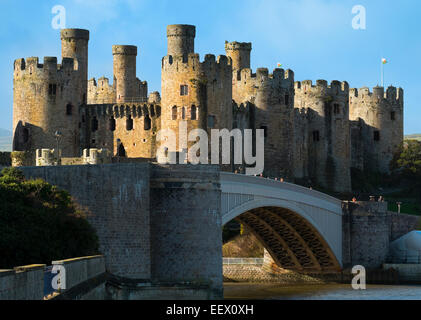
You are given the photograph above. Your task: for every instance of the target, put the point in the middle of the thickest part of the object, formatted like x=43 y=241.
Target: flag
x=384 y=61
x=279 y=65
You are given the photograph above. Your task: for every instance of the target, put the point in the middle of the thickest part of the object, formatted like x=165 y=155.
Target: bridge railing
x=241 y=178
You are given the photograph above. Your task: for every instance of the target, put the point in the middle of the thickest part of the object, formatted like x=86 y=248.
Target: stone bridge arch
x=300 y=228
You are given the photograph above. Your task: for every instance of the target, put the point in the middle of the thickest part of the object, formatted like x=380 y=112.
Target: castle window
x=83 y=118
x=121 y=152
x=147 y=123
x=211 y=122
x=52 y=89
x=193 y=115
x=129 y=123
x=287 y=99
x=336 y=109
x=111 y=124
x=393 y=115
x=316 y=136
x=69 y=109
x=265 y=131
x=184 y=90
x=174 y=113
x=94 y=124
x=183 y=113
x=376 y=135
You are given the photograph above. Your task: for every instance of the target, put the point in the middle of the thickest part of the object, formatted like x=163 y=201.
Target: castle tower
x=193 y=91
x=239 y=52
x=74 y=44
x=46 y=99
x=124 y=66
x=180 y=39
x=328 y=139
x=377 y=126
x=270 y=101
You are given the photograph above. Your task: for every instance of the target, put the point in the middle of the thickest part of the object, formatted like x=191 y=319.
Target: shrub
x=40 y=223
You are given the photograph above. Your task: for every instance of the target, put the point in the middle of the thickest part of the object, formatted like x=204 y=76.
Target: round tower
x=329 y=147
x=377 y=125
x=74 y=44
x=193 y=92
x=180 y=39
x=124 y=67
x=46 y=100
x=239 y=52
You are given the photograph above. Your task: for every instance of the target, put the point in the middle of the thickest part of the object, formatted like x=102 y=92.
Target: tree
x=40 y=223
x=407 y=160
x=406 y=166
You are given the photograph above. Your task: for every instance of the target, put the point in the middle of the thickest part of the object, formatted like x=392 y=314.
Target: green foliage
x=407 y=160
x=39 y=223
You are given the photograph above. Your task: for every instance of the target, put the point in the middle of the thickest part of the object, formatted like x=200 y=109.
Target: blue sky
x=314 y=38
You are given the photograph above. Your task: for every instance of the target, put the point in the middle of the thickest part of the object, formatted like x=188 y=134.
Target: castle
x=313 y=132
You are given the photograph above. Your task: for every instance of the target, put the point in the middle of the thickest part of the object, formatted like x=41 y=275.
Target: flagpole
x=382 y=72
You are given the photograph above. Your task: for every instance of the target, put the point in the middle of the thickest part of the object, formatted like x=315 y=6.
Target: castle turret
x=180 y=39
x=239 y=52
x=74 y=44
x=124 y=67
x=194 y=91
x=326 y=111
x=377 y=126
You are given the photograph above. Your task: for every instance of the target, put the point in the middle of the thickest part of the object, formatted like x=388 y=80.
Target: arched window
x=129 y=123
x=111 y=124
x=193 y=114
x=147 y=123
x=183 y=113
x=94 y=124
x=174 y=113
x=69 y=109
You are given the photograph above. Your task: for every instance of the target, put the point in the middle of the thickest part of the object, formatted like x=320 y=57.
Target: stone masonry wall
x=117 y=200
x=186 y=237
x=368 y=229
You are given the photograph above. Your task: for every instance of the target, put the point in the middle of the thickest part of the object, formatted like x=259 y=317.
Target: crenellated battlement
x=392 y=94
x=191 y=62
x=31 y=66
x=262 y=77
x=136 y=110
x=336 y=88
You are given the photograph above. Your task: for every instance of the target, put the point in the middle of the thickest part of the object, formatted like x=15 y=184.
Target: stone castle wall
x=377 y=126
x=122 y=226
x=327 y=123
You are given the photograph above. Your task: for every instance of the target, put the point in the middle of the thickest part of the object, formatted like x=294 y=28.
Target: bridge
x=300 y=228
x=163 y=223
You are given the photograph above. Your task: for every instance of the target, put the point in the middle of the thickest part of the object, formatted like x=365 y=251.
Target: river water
x=320 y=292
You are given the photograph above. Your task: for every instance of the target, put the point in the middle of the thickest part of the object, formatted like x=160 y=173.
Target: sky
x=314 y=38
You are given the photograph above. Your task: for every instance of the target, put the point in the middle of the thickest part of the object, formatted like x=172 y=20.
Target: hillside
x=5 y=140
x=413 y=137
